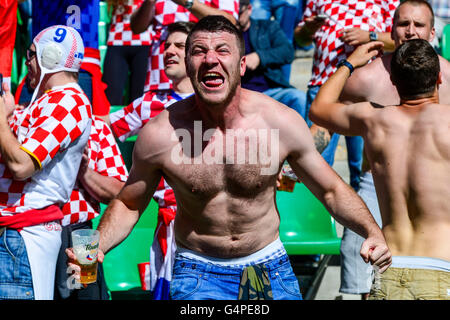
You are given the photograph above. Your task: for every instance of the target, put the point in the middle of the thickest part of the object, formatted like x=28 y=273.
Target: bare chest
x=243 y=164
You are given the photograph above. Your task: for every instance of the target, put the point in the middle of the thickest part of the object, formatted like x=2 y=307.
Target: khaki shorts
x=411 y=284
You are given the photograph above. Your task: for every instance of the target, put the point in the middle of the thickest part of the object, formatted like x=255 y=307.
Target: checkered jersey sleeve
x=109 y=161
x=389 y=10
x=120 y=33
x=129 y=120
x=310 y=11
x=55 y=123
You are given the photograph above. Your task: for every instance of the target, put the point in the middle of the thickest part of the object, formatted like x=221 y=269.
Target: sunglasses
x=30 y=54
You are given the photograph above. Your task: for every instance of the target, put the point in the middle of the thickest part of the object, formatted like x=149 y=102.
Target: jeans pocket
x=184 y=285
x=288 y=283
x=15 y=275
x=13 y=243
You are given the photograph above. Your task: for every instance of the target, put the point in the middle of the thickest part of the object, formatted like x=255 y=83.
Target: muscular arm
x=141 y=18
x=124 y=211
x=101 y=187
x=327 y=111
x=201 y=10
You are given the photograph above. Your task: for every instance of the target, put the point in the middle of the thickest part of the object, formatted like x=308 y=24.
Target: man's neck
x=222 y=117
x=182 y=86
x=420 y=102
x=56 y=80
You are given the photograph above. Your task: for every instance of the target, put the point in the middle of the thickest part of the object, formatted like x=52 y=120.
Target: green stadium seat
x=105 y=16
x=102 y=33
x=445 y=42
x=306 y=226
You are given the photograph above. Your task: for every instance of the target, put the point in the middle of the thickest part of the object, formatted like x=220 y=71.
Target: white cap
x=58 y=48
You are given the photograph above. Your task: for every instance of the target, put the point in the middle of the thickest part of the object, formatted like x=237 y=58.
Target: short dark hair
x=180 y=26
x=415 y=3
x=217 y=24
x=415 y=69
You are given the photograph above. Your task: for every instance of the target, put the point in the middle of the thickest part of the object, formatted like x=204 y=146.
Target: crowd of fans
x=144 y=71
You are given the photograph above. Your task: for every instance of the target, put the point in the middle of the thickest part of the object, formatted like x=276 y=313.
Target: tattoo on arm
x=321 y=139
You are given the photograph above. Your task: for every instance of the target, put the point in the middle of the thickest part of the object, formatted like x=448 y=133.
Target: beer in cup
x=85 y=247
x=288 y=178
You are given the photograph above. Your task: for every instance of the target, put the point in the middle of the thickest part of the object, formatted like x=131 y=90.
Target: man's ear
x=243 y=66
x=439 y=79
x=432 y=34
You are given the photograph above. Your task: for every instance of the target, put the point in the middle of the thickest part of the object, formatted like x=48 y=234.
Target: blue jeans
x=196 y=280
x=291 y=97
x=15 y=272
x=355 y=145
x=285 y=13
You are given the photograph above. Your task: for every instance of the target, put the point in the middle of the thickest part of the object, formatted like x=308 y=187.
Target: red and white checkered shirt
x=167 y=12
x=105 y=158
x=54 y=131
x=129 y=120
x=369 y=15
x=120 y=33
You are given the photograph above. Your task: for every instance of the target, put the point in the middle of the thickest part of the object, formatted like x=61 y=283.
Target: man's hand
x=73 y=264
x=376 y=251
x=8 y=102
x=180 y=2
x=252 y=61
x=355 y=36
x=365 y=53
x=313 y=24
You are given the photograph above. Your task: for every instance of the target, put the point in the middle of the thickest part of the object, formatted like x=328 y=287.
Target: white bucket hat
x=58 y=48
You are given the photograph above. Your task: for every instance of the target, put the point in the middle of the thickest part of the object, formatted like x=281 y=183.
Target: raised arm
x=201 y=10
x=142 y=17
x=338 y=197
x=328 y=112
x=124 y=211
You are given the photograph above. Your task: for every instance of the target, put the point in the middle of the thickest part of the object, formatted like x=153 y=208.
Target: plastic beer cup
x=288 y=178
x=85 y=247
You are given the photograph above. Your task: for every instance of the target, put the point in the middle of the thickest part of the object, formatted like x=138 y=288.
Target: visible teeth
x=212 y=74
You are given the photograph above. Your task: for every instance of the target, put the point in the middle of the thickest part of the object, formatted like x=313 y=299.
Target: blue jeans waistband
x=197 y=266
x=272 y=250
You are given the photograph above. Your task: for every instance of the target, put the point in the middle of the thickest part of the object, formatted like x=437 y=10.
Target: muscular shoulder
x=154 y=139
x=365 y=82
x=272 y=111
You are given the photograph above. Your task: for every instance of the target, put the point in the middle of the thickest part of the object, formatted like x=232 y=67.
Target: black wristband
x=344 y=62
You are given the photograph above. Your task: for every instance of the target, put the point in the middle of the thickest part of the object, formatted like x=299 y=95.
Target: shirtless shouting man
x=221 y=152
x=407 y=146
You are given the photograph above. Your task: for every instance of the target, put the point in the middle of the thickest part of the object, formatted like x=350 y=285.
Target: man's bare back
x=409 y=151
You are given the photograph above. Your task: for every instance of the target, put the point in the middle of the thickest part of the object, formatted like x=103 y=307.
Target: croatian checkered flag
x=162 y=255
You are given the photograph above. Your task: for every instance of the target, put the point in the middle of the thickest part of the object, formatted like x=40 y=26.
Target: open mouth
x=213 y=80
x=169 y=62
